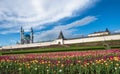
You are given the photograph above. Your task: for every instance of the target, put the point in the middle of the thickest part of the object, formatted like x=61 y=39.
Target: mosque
x=26 y=38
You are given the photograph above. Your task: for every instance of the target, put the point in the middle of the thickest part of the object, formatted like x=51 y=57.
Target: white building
x=101 y=33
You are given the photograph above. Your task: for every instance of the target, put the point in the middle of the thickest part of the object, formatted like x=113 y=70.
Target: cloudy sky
x=48 y=17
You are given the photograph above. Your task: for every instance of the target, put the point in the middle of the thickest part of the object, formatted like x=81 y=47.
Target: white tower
x=60 y=39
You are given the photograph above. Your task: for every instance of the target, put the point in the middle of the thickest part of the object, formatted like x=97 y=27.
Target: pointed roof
x=22 y=30
x=61 y=35
x=107 y=30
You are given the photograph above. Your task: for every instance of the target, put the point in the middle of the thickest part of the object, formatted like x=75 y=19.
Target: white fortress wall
x=29 y=45
x=93 y=39
x=82 y=40
x=61 y=41
x=47 y=43
x=112 y=37
x=20 y=46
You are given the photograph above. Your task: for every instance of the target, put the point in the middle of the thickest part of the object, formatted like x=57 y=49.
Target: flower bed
x=85 y=62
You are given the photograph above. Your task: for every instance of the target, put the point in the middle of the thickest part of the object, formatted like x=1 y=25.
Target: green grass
x=41 y=50
x=56 y=49
x=0 y=53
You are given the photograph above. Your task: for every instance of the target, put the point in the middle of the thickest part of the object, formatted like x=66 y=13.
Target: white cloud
x=67 y=29
x=36 y=13
x=117 y=31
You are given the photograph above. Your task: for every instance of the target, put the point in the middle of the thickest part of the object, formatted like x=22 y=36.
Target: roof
x=27 y=36
x=61 y=35
x=102 y=31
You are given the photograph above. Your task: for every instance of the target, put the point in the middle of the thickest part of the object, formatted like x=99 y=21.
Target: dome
x=27 y=36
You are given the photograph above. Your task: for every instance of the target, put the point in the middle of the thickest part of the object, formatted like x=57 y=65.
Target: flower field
x=77 y=62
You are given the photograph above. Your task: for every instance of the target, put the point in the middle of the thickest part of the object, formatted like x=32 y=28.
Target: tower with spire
x=107 y=30
x=61 y=35
x=60 y=39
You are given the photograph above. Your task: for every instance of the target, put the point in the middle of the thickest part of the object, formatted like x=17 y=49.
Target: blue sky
x=73 y=17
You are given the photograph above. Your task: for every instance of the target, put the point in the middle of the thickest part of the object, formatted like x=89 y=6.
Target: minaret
x=31 y=35
x=21 y=36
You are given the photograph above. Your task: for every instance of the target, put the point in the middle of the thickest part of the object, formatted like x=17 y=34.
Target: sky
x=75 y=18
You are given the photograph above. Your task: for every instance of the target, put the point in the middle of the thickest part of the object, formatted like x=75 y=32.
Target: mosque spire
x=21 y=35
x=31 y=35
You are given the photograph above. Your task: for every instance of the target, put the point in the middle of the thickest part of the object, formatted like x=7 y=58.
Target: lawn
x=56 y=49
